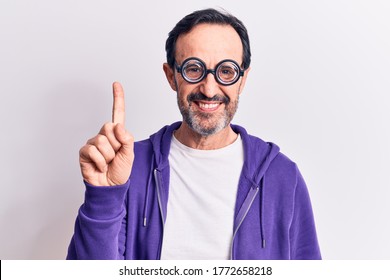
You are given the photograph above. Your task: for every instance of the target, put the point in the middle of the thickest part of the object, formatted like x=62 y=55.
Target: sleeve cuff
x=104 y=202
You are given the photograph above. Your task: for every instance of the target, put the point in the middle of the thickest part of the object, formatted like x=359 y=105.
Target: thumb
x=125 y=138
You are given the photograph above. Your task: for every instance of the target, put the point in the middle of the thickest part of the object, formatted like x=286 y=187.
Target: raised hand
x=107 y=158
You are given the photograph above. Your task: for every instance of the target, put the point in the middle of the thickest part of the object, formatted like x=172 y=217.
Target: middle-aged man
x=197 y=189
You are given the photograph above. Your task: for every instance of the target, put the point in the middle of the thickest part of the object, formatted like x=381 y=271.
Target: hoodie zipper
x=250 y=197
x=156 y=178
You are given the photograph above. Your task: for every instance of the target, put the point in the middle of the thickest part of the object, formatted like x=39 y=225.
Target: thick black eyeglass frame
x=179 y=69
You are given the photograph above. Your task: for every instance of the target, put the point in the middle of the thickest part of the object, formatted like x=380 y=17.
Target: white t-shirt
x=202 y=195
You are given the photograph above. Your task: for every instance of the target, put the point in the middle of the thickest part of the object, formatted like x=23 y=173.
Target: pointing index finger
x=118 y=106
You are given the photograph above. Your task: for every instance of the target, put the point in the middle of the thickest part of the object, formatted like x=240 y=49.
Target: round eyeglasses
x=226 y=72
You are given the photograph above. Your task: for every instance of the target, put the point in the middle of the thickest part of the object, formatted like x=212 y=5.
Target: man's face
x=207 y=107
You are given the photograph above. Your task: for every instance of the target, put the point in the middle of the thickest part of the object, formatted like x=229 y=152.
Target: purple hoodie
x=273 y=213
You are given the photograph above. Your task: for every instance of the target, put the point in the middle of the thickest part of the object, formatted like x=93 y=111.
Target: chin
x=207 y=128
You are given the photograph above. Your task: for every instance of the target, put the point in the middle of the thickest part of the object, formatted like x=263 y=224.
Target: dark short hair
x=211 y=16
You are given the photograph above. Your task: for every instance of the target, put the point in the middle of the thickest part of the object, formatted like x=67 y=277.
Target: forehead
x=211 y=43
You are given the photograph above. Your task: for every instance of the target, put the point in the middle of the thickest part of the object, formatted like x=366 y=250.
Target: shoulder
x=278 y=160
x=143 y=145
x=143 y=152
x=279 y=167
x=284 y=164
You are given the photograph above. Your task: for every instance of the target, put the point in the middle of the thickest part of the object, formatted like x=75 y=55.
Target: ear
x=170 y=74
x=243 y=80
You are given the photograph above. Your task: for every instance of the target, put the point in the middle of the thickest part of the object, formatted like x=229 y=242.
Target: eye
x=227 y=72
x=193 y=70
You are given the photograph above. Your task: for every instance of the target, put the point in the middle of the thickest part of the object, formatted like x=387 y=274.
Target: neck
x=192 y=139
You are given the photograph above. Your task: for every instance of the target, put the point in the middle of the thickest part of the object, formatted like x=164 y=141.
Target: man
x=197 y=189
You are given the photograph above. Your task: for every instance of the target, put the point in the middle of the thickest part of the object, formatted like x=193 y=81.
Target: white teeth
x=208 y=105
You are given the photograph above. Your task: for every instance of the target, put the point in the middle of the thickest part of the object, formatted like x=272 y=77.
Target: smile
x=208 y=106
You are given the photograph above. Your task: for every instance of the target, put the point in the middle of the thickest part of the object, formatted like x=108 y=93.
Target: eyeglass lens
x=193 y=70
x=226 y=72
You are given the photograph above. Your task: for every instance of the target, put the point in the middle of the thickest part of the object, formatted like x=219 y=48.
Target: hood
x=161 y=142
x=257 y=154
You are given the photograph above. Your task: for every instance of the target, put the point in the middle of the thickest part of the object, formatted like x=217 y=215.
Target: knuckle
x=89 y=141
x=100 y=140
x=106 y=129
x=84 y=150
x=81 y=151
x=90 y=150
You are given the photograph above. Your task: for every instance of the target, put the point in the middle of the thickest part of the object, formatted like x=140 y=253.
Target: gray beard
x=207 y=124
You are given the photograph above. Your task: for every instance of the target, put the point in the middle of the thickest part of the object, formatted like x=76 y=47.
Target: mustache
x=198 y=96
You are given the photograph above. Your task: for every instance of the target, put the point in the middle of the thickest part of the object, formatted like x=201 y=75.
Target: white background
x=319 y=87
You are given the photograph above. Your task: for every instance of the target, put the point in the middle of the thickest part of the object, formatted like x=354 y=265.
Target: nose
x=209 y=85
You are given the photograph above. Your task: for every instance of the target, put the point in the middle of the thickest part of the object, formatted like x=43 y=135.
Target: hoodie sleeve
x=303 y=237
x=100 y=226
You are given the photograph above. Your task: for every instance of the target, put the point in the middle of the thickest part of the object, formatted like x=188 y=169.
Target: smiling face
x=207 y=107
